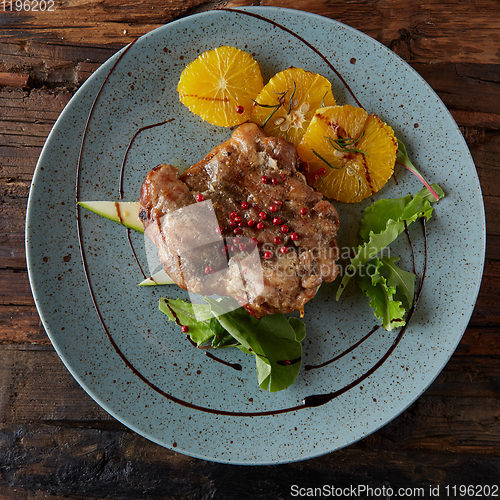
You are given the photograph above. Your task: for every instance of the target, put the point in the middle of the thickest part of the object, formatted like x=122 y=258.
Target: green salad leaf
x=383 y=285
x=274 y=340
x=390 y=289
x=382 y=223
x=403 y=281
x=204 y=329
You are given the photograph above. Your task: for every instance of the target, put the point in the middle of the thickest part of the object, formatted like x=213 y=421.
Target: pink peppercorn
x=268 y=255
x=284 y=228
x=260 y=225
x=277 y=240
x=273 y=208
x=284 y=250
x=200 y=197
x=262 y=215
x=277 y=221
x=303 y=211
x=294 y=236
x=185 y=328
x=245 y=205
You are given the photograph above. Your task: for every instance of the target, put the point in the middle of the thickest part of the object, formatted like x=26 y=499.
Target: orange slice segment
x=349 y=154
x=286 y=105
x=220 y=86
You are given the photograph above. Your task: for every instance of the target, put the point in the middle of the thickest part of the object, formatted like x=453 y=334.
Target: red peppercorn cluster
x=237 y=221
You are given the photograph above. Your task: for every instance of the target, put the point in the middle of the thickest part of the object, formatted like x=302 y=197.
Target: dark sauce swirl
x=309 y=401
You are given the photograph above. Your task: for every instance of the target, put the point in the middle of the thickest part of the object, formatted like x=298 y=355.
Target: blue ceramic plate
x=137 y=365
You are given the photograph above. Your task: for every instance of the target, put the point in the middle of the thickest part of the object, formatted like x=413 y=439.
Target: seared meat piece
x=243 y=223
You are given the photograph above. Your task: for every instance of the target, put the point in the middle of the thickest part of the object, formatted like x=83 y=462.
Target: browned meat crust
x=249 y=179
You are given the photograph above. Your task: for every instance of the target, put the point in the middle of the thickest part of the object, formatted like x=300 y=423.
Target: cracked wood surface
x=55 y=442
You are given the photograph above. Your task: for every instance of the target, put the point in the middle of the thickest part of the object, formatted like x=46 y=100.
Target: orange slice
x=286 y=105
x=349 y=154
x=220 y=86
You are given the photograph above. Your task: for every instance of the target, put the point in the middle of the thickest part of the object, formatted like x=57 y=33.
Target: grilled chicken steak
x=243 y=223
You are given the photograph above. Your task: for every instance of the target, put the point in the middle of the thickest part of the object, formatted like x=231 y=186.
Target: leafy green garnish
x=382 y=287
x=274 y=340
x=383 y=222
x=204 y=329
x=390 y=288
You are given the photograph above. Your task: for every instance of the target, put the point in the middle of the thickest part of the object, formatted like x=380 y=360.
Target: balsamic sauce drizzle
x=309 y=401
x=142 y=129
x=132 y=248
x=347 y=351
x=120 y=185
x=235 y=366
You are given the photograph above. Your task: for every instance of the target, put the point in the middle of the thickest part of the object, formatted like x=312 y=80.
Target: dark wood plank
x=14 y=79
x=91 y=463
x=21 y=325
x=430 y=34
x=15 y=288
x=27 y=397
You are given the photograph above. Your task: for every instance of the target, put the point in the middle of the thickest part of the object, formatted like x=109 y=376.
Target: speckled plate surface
x=130 y=359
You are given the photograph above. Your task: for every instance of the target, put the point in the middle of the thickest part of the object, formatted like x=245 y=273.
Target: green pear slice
x=159 y=278
x=124 y=212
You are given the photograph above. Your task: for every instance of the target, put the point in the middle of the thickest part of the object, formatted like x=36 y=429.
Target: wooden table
x=56 y=442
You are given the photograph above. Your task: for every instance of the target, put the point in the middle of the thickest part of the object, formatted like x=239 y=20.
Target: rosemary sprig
x=343 y=144
x=322 y=105
x=324 y=160
x=290 y=101
x=281 y=102
x=274 y=107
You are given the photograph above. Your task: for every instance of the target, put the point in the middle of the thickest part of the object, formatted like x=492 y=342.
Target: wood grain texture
x=431 y=32
x=56 y=442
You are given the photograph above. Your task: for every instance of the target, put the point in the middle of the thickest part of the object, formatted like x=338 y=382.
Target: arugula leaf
x=383 y=222
x=274 y=340
x=390 y=311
